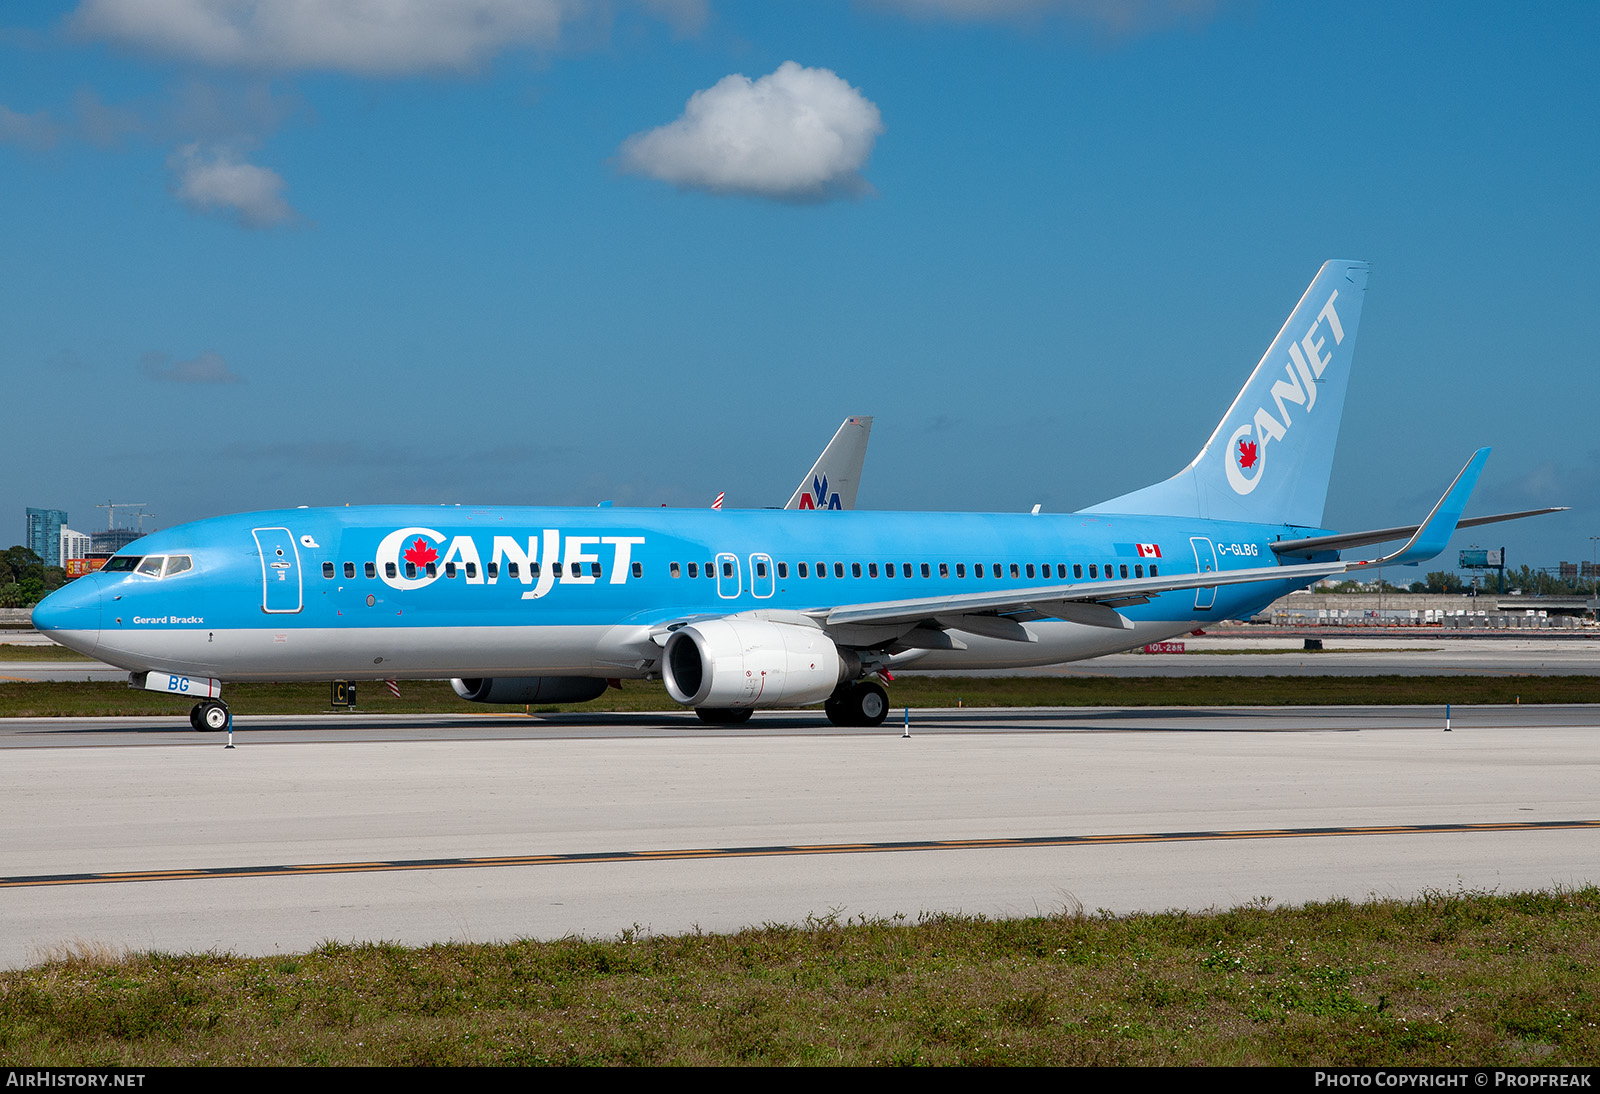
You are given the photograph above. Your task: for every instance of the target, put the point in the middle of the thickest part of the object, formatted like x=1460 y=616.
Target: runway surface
x=138 y=833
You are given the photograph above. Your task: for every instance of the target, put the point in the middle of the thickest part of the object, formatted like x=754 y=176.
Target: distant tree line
x=25 y=579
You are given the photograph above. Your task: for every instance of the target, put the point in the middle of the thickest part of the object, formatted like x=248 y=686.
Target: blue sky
x=260 y=256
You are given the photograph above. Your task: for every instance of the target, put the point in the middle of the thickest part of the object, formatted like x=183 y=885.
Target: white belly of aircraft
x=610 y=651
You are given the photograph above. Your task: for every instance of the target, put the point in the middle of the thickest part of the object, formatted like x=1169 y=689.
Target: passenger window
x=673 y=569
x=1123 y=574
x=411 y=569
x=472 y=570
x=783 y=569
x=433 y=569
x=176 y=564
x=349 y=569
x=888 y=569
x=1094 y=571
x=449 y=569
x=372 y=569
x=694 y=569
x=944 y=569
x=492 y=571
x=533 y=570
x=906 y=570
x=804 y=570
x=388 y=569
x=1016 y=573
x=872 y=569
x=1153 y=570
x=998 y=572
x=761 y=569
x=327 y=569
x=961 y=569
x=595 y=570
x=638 y=569
x=822 y=569
x=151 y=566
x=838 y=570
x=1138 y=571
x=925 y=571
x=977 y=569
x=1030 y=569
x=511 y=569
x=855 y=569
x=555 y=568
x=727 y=569
x=1077 y=571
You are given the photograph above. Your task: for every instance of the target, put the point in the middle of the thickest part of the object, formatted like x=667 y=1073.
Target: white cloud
x=799 y=134
x=369 y=37
x=208 y=368
x=1113 y=16
x=224 y=183
x=687 y=18
x=36 y=131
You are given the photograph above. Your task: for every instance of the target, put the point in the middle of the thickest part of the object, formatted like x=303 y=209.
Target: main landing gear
x=863 y=703
x=210 y=716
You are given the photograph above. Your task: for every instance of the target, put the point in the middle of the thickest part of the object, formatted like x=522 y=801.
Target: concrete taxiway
x=138 y=833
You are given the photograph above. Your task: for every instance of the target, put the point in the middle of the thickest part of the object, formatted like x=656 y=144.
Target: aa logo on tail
x=819 y=498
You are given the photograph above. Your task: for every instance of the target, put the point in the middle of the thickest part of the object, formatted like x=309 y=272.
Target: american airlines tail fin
x=1270 y=457
x=833 y=480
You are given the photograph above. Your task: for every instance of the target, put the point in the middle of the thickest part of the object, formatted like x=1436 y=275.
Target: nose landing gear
x=211 y=716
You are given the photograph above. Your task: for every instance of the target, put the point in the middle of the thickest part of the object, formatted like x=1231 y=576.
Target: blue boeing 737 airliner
x=737 y=611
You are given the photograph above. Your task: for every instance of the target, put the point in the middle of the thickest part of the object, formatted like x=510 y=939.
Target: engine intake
x=530 y=689
x=739 y=663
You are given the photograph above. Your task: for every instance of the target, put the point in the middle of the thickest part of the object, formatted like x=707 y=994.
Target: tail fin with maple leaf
x=1269 y=459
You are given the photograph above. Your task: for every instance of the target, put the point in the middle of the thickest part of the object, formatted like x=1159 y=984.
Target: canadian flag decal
x=1149 y=550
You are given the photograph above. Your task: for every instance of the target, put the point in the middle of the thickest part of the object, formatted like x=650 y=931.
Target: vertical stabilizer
x=833 y=480
x=1270 y=457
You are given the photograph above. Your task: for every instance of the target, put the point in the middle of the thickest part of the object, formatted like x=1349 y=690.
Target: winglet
x=1436 y=531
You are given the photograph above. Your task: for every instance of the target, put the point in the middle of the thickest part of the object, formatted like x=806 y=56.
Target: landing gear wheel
x=209 y=716
x=723 y=716
x=861 y=704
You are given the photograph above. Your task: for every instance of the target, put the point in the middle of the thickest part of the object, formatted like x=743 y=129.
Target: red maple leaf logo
x=420 y=553
x=1247 y=459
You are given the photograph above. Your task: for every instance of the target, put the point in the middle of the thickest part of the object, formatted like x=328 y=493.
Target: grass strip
x=17 y=651
x=1450 y=978
x=87 y=699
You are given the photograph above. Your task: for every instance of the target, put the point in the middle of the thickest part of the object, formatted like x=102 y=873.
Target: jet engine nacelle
x=749 y=663
x=530 y=689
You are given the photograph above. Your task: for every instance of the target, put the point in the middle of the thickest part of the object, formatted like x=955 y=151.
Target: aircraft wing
x=834 y=479
x=1062 y=601
x=1317 y=544
x=1095 y=602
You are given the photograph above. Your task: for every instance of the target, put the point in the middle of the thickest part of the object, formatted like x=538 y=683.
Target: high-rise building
x=44 y=534
x=73 y=545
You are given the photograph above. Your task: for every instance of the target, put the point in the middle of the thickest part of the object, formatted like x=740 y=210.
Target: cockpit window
x=176 y=564
x=120 y=564
x=150 y=565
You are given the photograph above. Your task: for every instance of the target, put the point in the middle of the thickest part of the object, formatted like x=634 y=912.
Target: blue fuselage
x=406 y=591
